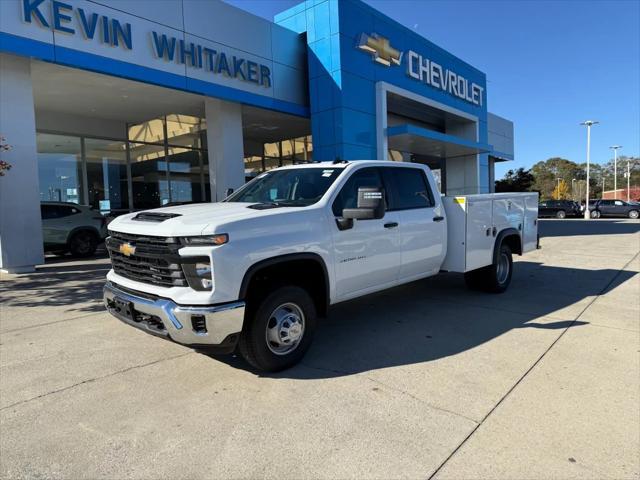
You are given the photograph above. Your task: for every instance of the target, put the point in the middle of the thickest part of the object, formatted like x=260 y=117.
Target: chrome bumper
x=160 y=316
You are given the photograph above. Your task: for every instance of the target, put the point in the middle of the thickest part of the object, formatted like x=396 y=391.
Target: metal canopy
x=431 y=144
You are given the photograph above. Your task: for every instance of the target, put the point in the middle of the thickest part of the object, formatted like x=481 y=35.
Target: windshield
x=293 y=187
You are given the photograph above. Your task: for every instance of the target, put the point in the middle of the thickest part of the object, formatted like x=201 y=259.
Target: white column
x=224 y=141
x=20 y=222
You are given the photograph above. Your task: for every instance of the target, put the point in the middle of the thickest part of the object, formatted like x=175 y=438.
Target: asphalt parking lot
x=425 y=380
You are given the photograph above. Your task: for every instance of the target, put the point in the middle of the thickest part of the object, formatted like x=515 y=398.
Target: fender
x=283 y=259
x=507 y=232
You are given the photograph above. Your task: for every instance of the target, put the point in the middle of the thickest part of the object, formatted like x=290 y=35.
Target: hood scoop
x=155 y=217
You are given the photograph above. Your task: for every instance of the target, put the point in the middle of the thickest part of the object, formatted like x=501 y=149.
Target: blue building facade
x=131 y=104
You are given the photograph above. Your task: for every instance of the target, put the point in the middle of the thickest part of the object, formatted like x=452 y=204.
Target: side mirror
x=371 y=205
x=228 y=192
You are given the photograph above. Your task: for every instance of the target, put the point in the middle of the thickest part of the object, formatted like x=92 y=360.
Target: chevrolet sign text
x=433 y=74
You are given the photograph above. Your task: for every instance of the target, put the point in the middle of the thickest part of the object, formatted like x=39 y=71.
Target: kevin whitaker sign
x=63 y=17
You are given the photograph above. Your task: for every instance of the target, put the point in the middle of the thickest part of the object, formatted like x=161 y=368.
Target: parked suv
x=614 y=208
x=558 y=209
x=68 y=227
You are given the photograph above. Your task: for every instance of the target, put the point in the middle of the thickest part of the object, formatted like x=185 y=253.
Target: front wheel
x=634 y=214
x=83 y=244
x=595 y=214
x=561 y=214
x=494 y=278
x=278 y=331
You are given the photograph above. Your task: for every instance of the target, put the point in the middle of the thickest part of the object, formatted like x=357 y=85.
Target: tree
x=547 y=173
x=4 y=147
x=561 y=191
x=519 y=180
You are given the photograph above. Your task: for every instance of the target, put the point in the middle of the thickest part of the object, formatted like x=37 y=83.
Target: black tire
x=254 y=345
x=634 y=214
x=83 y=244
x=594 y=214
x=493 y=278
x=561 y=214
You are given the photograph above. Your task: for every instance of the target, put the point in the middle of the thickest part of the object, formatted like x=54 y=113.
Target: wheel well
x=305 y=272
x=514 y=243
x=78 y=230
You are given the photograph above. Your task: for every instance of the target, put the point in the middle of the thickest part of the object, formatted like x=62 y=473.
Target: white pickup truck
x=255 y=271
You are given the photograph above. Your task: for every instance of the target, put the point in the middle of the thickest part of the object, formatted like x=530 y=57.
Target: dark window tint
x=348 y=196
x=606 y=202
x=57 y=211
x=408 y=188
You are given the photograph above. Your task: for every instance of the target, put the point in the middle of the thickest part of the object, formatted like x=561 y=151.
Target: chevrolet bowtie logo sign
x=380 y=49
x=127 y=249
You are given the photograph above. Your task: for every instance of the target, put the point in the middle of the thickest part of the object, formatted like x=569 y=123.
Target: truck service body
x=254 y=271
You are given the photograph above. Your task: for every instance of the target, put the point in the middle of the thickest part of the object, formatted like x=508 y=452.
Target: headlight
x=198 y=272
x=204 y=240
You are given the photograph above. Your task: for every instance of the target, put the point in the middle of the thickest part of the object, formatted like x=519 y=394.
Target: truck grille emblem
x=127 y=249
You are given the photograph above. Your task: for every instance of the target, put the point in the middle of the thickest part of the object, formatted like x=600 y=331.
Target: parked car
x=255 y=270
x=614 y=208
x=68 y=227
x=558 y=209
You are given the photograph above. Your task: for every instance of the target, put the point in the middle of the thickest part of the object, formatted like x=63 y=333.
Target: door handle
x=438 y=219
x=391 y=225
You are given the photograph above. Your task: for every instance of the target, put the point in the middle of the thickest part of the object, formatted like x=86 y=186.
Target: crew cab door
x=422 y=225
x=367 y=255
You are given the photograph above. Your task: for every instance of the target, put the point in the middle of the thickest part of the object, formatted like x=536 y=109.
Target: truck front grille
x=146 y=259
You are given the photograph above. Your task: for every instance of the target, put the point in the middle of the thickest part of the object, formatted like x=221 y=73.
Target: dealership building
x=132 y=104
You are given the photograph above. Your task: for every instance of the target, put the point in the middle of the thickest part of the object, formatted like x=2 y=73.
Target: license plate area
x=124 y=309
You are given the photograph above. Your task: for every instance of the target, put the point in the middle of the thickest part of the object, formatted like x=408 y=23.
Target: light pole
x=628 y=178
x=573 y=189
x=558 y=189
x=588 y=124
x=615 y=166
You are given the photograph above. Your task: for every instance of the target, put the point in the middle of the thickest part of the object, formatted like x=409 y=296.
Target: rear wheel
x=634 y=214
x=83 y=244
x=561 y=214
x=278 y=331
x=494 y=278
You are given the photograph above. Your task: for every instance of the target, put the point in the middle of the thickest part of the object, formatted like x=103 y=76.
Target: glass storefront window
x=107 y=174
x=185 y=175
x=186 y=131
x=59 y=168
x=149 y=181
x=151 y=131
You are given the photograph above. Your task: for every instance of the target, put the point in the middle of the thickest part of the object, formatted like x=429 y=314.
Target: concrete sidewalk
x=425 y=380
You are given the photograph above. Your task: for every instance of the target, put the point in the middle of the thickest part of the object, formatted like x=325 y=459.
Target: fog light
x=199 y=274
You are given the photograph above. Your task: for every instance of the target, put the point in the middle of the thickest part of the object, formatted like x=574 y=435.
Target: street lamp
x=588 y=124
x=558 y=190
x=573 y=189
x=615 y=166
x=628 y=178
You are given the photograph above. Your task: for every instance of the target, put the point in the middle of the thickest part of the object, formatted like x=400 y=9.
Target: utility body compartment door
x=480 y=233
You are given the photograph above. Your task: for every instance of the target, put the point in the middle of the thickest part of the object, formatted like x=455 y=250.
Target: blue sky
x=549 y=65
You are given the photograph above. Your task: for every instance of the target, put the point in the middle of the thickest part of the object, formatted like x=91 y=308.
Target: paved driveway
x=425 y=380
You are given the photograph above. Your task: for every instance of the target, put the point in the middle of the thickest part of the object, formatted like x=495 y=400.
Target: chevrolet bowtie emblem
x=127 y=249
x=380 y=49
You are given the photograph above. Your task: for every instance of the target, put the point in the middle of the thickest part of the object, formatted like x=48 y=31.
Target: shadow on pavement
x=573 y=227
x=61 y=281
x=438 y=317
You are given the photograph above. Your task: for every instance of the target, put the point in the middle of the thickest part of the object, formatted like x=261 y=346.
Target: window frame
x=344 y=185
x=390 y=204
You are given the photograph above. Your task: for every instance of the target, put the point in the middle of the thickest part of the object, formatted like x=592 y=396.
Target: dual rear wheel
x=494 y=278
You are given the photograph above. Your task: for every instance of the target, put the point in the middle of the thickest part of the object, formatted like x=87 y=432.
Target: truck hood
x=195 y=219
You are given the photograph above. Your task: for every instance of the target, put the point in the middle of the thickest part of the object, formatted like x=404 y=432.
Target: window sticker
x=327 y=173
